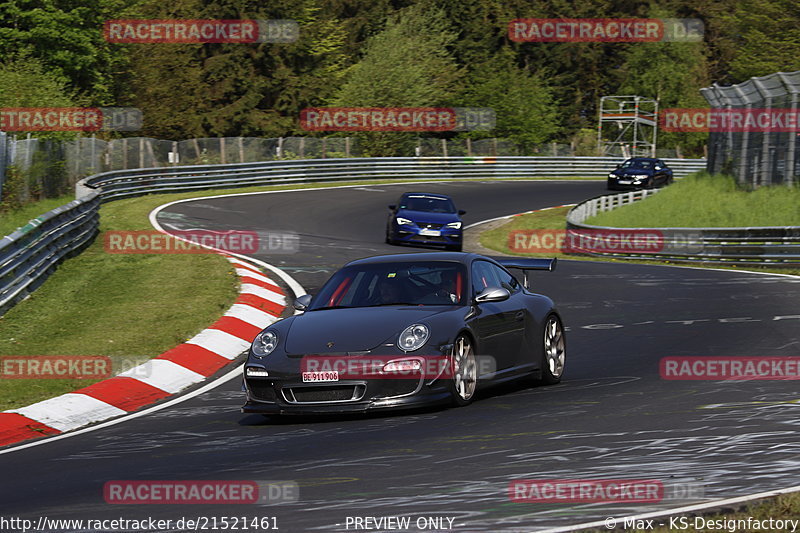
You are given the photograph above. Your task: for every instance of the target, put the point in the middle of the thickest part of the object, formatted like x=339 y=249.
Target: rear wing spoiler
x=525 y=264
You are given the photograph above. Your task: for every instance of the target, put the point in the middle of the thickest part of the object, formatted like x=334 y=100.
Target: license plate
x=430 y=232
x=625 y=182
x=320 y=376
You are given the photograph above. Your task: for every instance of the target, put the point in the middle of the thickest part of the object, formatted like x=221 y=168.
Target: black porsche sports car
x=398 y=331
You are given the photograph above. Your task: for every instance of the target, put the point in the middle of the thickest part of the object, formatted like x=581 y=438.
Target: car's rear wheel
x=464 y=378
x=555 y=350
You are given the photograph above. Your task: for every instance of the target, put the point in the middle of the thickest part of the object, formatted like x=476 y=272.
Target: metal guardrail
x=32 y=253
x=126 y=183
x=737 y=246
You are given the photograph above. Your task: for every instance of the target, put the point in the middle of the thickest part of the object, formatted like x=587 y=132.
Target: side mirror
x=392 y=207
x=302 y=302
x=492 y=294
x=619 y=165
x=462 y=212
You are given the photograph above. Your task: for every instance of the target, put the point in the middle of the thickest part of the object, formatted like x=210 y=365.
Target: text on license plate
x=320 y=376
x=430 y=232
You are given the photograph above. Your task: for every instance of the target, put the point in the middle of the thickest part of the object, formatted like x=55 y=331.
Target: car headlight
x=612 y=176
x=265 y=343
x=413 y=337
x=454 y=225
x=403 y=221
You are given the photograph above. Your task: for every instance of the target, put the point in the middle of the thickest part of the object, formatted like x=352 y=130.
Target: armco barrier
x=31 y=253
x=126 y=183
x=737 y=246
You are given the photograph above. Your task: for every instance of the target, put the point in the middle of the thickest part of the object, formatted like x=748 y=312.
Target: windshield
x=380 y=284
x=637 y=163
x=428 y=203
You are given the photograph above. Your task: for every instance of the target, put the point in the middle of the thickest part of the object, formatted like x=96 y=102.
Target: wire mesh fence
x=43 y=168
x=763 y=148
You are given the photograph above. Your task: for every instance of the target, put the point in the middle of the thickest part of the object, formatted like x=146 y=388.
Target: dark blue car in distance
x=425 y=218
x=640 y=173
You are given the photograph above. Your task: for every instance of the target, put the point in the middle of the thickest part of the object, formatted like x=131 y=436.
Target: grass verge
x=16 y=218
x=702 y=200
x=497 y=239
x=785 y=506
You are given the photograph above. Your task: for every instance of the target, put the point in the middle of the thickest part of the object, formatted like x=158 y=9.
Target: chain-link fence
x=760 y=142
x=42 y=168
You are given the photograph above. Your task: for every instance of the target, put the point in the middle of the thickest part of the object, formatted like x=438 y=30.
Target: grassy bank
x=15 y=218
x=702 y=200
x=786 y=506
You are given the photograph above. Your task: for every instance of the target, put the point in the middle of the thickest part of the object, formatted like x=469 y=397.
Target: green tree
x=673 y=73
x=766 y=35
x=198 y=90
x=408 y=64
x=26 y=82
x=523 y=103
x=67 y=37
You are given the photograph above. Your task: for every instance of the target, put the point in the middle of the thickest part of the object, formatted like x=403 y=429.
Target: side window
x=483 y=275
x=507 y=281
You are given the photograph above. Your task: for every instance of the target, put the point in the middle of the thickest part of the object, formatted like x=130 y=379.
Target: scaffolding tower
x=636 y=119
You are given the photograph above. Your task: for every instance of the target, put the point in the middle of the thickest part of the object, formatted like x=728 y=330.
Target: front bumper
x=414 y=235
x=625 y=184
x=283 y=392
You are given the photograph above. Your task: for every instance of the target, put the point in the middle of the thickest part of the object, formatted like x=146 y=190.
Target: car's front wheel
x=555 y=350
x=464 y=372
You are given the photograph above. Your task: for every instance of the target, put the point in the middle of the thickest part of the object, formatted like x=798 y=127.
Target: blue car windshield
x=427 y=203
x=637 y=163
x=402 y=283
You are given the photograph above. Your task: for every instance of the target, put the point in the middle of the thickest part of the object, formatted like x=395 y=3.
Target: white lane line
x=241 y=272
x=235 y=373
x=251 y=315
x=220 y=342
x=69 y=411
x=164 y=374
x=261 y=292
x=674 y=511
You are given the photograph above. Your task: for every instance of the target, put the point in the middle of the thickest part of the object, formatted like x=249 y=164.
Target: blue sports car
x=425 y=218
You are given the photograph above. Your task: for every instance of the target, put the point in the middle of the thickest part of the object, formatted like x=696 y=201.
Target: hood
x=426 y=217
x=352 y=330
x=634 y=172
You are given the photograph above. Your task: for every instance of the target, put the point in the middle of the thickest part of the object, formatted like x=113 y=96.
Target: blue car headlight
x=454 y=225
x=413 y=337
x=403 y=221
x=264 y=343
